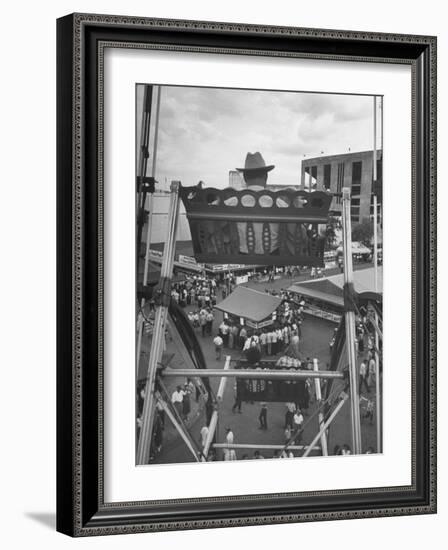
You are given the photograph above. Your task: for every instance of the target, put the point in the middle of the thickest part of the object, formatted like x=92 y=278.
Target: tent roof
x=364 y=280
x=330 y=289
x=250 y=304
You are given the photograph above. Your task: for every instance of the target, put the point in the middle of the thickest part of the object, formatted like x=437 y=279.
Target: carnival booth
x=250 y=307
x=325 y=297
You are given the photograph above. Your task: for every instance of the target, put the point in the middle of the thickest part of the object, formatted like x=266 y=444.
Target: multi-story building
x=236 y=180
x=353 y=170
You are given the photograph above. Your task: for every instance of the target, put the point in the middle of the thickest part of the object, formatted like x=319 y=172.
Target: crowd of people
x=279 y=343
x=282 y=334
x=196 y=290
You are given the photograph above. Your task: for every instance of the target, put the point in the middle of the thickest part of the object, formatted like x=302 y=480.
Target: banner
x=240 y=279
x=188 y=260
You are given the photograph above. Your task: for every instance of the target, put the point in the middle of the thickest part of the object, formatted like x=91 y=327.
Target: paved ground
x=316 y=334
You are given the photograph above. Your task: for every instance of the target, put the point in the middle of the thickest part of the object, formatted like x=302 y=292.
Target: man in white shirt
x=177 y=399
x=363 y=377
x=298 y=424
x=247 y=344
x=289 y=415
x=269 y=342
x=242 y=337
x=210 y=318
x=274 y=339
x=371 y=372
x=229 y=436
x=295 y=345
x=263 y=343
x=279 y=340
x=218 y=341
x=224 y=330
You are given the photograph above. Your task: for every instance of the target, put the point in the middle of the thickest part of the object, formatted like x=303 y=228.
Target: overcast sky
x=205 y=132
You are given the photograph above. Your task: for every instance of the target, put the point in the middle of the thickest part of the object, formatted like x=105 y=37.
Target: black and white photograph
x=259 y=288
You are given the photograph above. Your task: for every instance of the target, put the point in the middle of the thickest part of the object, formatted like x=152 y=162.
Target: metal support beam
x=323 y=439
x=326 y=424
x=254 y=374
x=379 y=427
x=375 y=263
x=186 y=357
x=214 y=418
x=376 y=325
x=267 y=447
x=143 y=167
x=178 y=428
x=158 y=337
x=350 y=320
x=145 y=280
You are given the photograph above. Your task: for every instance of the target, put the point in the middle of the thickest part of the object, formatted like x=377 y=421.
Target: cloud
x=205 y=132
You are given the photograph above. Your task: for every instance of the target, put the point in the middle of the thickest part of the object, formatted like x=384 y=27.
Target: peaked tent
x=250 y=304
x=331 y=289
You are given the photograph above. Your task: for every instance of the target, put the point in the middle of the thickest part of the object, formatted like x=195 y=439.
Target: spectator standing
x=210 y=318
x=269 y=342
x=274 y=341
x=295 y=340
x=231 y=337
x=224 y=329
x=196 y=322
x=237 y=404
x=235 y=332
x=218 y=341
x=242 y=337
x=263 y=417
x=371 y=371
x=253 y=354
x=363 y=377
x=298 y=425
x=286 y=336
x=289 y=415
x=177 y=398
x=229 y=436
x=263 y=343
x=368 y=415
x=186 y=405
x=161 y=414
x=279 y=340
x=203 y=321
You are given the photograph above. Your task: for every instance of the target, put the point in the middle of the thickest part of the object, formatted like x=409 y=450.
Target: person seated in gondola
x=259 y=238
x=254 y=237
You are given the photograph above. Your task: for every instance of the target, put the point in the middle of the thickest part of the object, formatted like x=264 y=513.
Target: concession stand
x=255 y=308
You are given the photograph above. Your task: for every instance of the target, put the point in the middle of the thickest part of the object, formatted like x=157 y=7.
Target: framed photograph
x=246 y=274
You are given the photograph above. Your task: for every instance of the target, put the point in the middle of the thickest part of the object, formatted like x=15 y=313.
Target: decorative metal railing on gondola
x=286 y=227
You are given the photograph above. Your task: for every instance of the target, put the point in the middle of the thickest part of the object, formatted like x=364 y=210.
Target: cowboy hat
x=255 y=163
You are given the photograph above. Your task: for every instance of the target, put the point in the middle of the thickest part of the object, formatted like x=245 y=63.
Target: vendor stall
x=325 y=297
x=254 y=307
